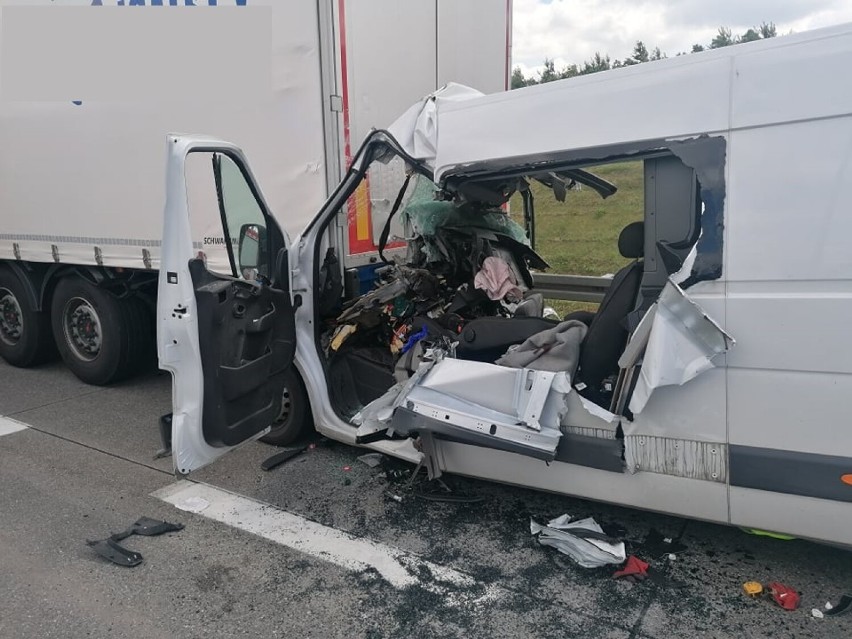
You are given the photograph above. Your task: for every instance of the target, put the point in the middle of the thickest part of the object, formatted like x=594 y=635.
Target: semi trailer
x=89 y=89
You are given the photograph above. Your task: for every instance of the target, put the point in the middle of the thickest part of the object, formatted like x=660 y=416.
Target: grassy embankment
x=580 y=236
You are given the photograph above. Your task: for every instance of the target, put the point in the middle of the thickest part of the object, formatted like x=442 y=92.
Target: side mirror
x=252 y=249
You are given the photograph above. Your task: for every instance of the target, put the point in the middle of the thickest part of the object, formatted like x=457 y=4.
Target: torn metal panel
x=510 y=409
x=706 y=155
x=416 y=130
x=681 y=345
x=376 y=415
x=707 y=461
x=520 y=393
x=584 y=417
x=583 y=540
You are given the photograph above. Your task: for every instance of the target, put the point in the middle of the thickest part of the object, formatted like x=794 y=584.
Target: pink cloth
x=497 y=279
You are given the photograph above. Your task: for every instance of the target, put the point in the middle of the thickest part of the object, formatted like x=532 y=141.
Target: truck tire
x=25 y=336
x=102 y=338
x=296 y=417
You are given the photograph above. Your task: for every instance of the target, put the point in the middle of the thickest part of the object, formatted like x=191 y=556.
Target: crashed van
x=712 y=380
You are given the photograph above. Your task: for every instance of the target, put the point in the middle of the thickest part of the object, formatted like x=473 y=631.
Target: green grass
x=580 y=236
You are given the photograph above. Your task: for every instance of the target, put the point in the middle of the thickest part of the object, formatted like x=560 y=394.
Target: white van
x=711 y=382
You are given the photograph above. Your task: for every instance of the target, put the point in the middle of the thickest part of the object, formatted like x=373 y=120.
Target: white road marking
x=9 y=426
x=398 y=567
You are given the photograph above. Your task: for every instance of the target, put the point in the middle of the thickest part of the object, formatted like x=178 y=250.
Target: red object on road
x=633 y=567
x=347 y=468
x=783 y=595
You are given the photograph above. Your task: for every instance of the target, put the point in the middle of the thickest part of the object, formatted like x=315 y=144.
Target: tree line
x=598 y=62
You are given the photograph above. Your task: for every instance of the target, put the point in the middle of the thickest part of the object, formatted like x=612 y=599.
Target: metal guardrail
x=581 y=288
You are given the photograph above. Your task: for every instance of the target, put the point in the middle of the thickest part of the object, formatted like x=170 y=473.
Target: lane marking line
x=400 y=568
x=9 y=426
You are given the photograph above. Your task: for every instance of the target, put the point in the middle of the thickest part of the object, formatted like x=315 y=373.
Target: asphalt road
x=85 y=467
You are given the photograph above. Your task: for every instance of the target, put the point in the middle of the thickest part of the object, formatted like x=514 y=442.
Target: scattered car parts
x=111 y=550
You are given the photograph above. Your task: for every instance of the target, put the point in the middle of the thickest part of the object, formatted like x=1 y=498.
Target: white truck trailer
x=90 y=88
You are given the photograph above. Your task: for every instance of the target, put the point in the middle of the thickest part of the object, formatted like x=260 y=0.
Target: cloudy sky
x=570 y=31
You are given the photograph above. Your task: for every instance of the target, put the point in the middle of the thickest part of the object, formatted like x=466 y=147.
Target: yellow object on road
x=752 y=588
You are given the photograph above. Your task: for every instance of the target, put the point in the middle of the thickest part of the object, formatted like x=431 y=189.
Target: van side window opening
x=577 y=232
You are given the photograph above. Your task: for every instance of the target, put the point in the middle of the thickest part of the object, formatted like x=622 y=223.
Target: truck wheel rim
x=11 y=318
x=82 y=328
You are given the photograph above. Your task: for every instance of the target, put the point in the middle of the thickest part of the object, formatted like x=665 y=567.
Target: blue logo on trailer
x=160 y=3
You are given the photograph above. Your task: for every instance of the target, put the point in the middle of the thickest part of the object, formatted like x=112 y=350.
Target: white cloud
x=571 y=31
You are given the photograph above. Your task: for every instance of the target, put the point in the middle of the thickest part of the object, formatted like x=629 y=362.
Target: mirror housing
x=252 y=251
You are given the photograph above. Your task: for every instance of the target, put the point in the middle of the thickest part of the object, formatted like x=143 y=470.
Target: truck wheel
x=296 y=417
x=25 y=337
x=101 y=338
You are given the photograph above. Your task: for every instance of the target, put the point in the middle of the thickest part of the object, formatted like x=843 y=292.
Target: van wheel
x=25 y=337
x=101 y=338
x=296 y=417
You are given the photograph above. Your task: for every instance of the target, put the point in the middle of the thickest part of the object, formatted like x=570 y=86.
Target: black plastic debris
x=114 y=552
x=438 y=490
x=656 y=546
x=842 y=607
x=147 y=527
x=111 y=550
x=279 y=458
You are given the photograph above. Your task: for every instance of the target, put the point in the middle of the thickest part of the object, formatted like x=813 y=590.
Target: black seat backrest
x=607 y=334
x=485 y=339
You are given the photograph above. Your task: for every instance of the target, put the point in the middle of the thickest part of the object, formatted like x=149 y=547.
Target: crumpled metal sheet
x=416 y=130
x=682 y=344
x=589 y=551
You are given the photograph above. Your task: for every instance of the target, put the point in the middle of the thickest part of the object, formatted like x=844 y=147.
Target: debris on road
x=438 y=490
x=371 y=459
x=783 y=595
x=842 y=607
x=111 y=550
x=767 y=533
x=817 y=613
x=656 y=546
x=634 y=570
x=116 y=553
x=582 y=540
x=753 y=588
x=285 y=455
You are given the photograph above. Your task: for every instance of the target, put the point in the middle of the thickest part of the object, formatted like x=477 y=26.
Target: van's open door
x=225 y=324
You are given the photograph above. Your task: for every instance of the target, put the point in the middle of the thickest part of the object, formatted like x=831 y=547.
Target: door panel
x=245 y=332
x=226 y=326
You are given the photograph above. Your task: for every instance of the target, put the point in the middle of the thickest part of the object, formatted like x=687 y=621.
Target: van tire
x=25 y=335
x=296 y=417
x=102 y=338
